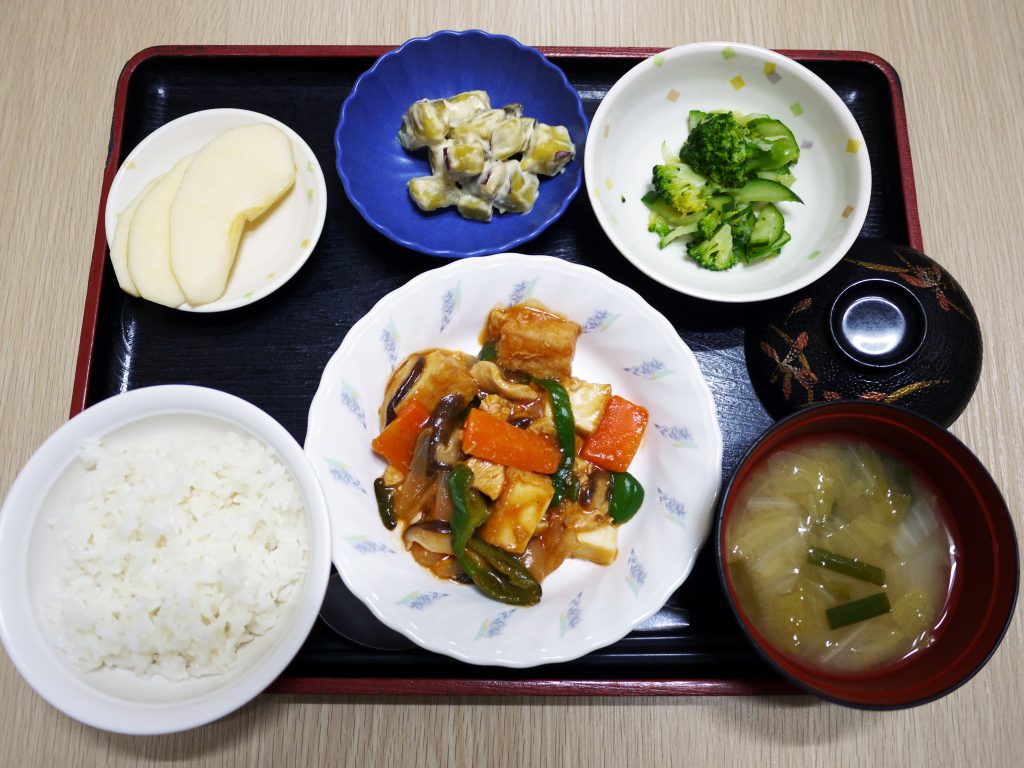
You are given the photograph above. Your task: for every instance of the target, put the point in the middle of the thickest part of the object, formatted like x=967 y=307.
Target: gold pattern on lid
x=271 y=275
x=672 y=95
x=304 y=243
x=847 y=211
x=852 y=145
x=796 y=108
x=608 y=183
x=309 y=193
x=769 y=67
x=607 y=128
x=737 y=82
x=728 y=53
x=814 y=254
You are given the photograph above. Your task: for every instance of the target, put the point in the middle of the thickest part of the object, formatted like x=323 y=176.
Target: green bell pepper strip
x=859 y=610
x=625 y=498
x=385 y=503
x=847 y=566
x=567 y=485
x=469 y=510
x=489 y=351
x=498 y=575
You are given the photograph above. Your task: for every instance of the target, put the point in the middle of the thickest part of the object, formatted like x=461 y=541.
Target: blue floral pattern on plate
x=650 y=369
x=417 y=601
x=450 y=302
x=350 y=400
x=364 y=545
x=521 y=291
x=680 y=437
x=601 y=320
x=389 y=339
x=637 y=574
x=571 y=616
x=495 y=625
x=675 y=508
x=343 y=474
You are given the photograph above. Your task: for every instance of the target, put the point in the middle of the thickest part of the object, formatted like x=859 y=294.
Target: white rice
x=176 y=555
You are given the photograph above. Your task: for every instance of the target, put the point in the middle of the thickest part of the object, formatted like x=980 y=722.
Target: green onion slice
x=859 y=610
x=846 y=565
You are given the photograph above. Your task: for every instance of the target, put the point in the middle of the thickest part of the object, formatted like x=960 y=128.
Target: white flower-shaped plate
x=273 y=247
x=625 y=343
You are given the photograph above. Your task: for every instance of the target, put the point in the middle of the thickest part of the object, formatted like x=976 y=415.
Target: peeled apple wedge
x=232 y=180
x=119 y=248
x=149 y=240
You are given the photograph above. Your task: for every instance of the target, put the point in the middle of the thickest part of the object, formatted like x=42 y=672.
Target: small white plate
x=650 y=105
x=275 y=246
x=116 y=699
x=625 y=343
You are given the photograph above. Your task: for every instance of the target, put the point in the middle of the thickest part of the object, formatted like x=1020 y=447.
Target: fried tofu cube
x=488 y=477
x=443 y=373
x=588 y=402
x=536 y=341
x=599 y=545
x=518 y=510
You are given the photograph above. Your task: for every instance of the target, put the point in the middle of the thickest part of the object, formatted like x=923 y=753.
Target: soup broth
x=827 y=523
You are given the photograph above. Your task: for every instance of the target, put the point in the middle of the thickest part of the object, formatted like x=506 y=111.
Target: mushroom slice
x=432 y=535
x=490 y=379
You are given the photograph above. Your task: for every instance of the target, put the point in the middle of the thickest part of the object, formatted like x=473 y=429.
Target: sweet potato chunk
x=534 y=340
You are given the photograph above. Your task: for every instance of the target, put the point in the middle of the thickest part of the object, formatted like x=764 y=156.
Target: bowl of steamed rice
x=164 y=555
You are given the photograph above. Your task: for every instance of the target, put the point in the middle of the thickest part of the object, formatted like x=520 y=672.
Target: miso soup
x=840 y=555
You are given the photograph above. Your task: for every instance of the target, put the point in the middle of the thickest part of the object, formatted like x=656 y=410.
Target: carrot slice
x=488 y=437
x=617 y=437
x=398 y=439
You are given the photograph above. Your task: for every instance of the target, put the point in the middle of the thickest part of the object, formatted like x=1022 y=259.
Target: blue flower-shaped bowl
x=374 y=168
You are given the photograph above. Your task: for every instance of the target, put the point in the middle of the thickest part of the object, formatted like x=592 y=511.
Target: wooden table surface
x=960 y=64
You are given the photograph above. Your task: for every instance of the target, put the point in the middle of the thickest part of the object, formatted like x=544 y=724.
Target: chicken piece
x=536 y=341
x=496 y=405
x=442 y=372
x=490 y=379
x=588 y=402
x=488 y=477
x=518 y=510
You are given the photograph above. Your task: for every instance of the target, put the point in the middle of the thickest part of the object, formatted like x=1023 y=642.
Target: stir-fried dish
x=503 y=464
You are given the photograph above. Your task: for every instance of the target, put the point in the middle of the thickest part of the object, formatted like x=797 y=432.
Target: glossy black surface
x=878 y=323
x=887 y=323
x=272 y=353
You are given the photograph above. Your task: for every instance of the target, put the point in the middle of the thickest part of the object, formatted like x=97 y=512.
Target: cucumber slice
x=768 y=228
x=676 y=233
x=765 y=191
x=768 y=250
x=663 y=208
x=771 y=128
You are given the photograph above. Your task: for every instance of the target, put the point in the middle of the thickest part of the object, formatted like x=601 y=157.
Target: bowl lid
x=880 y=326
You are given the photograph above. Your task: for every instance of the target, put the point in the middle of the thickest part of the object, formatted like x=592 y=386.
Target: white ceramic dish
x=650 y=104
x=275 y=246
x=625 y=343
x=116 y=699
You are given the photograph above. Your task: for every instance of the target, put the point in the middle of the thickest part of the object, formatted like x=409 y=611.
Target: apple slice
x=149 y=240
x=233 y=179
x=119 y=248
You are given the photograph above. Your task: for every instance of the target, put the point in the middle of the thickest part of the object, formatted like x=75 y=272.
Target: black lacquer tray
x=272 y=352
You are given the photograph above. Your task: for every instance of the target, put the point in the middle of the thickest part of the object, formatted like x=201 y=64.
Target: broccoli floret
x=718 y=147
x=682 y=187
x=741 y=223
x=658 y=225
x=716 y=252
x=709 y=224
